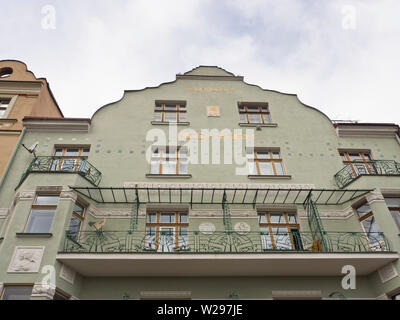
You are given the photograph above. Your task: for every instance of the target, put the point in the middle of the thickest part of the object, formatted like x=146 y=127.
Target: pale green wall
x=309 y=148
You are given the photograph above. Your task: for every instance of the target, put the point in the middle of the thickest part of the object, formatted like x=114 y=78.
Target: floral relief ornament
x=26 y=260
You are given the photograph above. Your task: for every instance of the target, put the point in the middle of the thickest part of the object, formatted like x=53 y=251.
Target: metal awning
x=203 y=195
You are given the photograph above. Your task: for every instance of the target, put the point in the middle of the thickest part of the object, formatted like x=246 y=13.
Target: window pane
x=40 y=221
x=396 y=217
x=266 y=118
x=254 y=118
x=46 y=200
x=265 y=168
x=355 y=156
x=253 y=109
x=17 y=293
x=74 y=227
x=266 y=242
x=2 y=113
x=169 y=167
x=276 y=218
x=73 y=152
x=360 y=168
x=367 y=156
x=58 y=152
x=182 y=116
x=151 y=218
x=183 y=168
x=170 y=117
x=167 y=218
x=183 y=218
x=78 y=209
x=85 y=152
x=363 y=210
x=292 y=218
x=393 y=202
x=243 y=118
x=158 y=107
x=155 y=167
x=275 y=155
x=262 y=218
x=263 y=155
x=157 y=116
x=281 y=238
x=278 y=168
x=370 y=225
x=170 y=107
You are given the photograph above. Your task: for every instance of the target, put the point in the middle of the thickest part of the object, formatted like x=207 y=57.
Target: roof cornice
x=208 y=77
x=371 y=130
x=56 y=124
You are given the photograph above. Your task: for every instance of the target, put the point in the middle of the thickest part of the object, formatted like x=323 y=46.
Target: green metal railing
x=220 y=242
x=374 y=167
x=51 y=164
x=315 y=224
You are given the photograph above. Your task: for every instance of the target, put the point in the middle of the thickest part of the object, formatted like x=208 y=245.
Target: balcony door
x=166 y=239
x=69 y=158
x=358 y=163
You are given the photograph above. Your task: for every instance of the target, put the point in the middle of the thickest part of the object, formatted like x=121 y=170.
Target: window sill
x=272 y=125
x=163 y=123
x=150 y=175
x=33 y=235
x=254 y=176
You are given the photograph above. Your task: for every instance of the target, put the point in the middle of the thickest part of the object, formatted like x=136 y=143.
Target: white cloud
x=101 y=48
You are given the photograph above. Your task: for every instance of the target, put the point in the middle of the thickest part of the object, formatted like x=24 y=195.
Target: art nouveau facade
x=202 y=188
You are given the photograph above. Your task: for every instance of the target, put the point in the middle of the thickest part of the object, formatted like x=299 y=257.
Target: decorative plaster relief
x=242 y=227
x=68 y=195
x=387 y=273
x=374 y=196
x=67 y=274
x=112 y=213
x=26 y=259
x=25 y=195
x=207 y=228
x=218 y=213
x=218 y=185
x=43 y=290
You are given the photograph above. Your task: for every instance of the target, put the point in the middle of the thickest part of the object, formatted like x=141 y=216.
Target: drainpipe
x=3 y=178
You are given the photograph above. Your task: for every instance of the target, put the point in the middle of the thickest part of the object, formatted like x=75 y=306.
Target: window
x=42 y=213
x=77 y=218
x=265 y=163
x=69 y=158
x=358 y=163
x=393 y=205
x=366 y=217
x=252 y=112
x=170 y=111
x=169 y=160
x=21 y=292
x=279 y=231
x=4 y=103
x=167 y=231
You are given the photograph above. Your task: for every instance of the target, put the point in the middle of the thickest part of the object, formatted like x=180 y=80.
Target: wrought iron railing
x=373 y=167
x=220 y=242
x=64 y=164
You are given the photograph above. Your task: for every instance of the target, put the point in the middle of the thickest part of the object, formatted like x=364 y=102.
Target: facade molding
x=288 y=294
x=41 y=289
x=213 y=185
x=68 y=195
x=367 y=130
x=165 y=295
x=56 y=124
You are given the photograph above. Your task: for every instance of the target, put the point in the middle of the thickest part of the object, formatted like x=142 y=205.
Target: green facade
x=118 y=138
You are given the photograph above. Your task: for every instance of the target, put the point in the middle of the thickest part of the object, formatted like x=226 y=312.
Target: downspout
x=11 y=160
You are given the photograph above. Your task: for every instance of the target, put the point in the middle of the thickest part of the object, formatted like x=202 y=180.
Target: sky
x=341 y=57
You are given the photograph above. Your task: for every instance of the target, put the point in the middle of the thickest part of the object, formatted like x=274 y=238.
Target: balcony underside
x=202 y=265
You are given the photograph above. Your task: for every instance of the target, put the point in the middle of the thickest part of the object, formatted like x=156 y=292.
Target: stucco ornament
x=242 y=227
x=26 y=259
x=207 y=228
x=43 y=290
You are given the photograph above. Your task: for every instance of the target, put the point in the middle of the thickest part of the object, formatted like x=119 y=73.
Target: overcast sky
x=342 y=57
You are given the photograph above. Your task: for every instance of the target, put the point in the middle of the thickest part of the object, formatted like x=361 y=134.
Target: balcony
x=222 y=253
x=52 y=164
x=356 y=169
